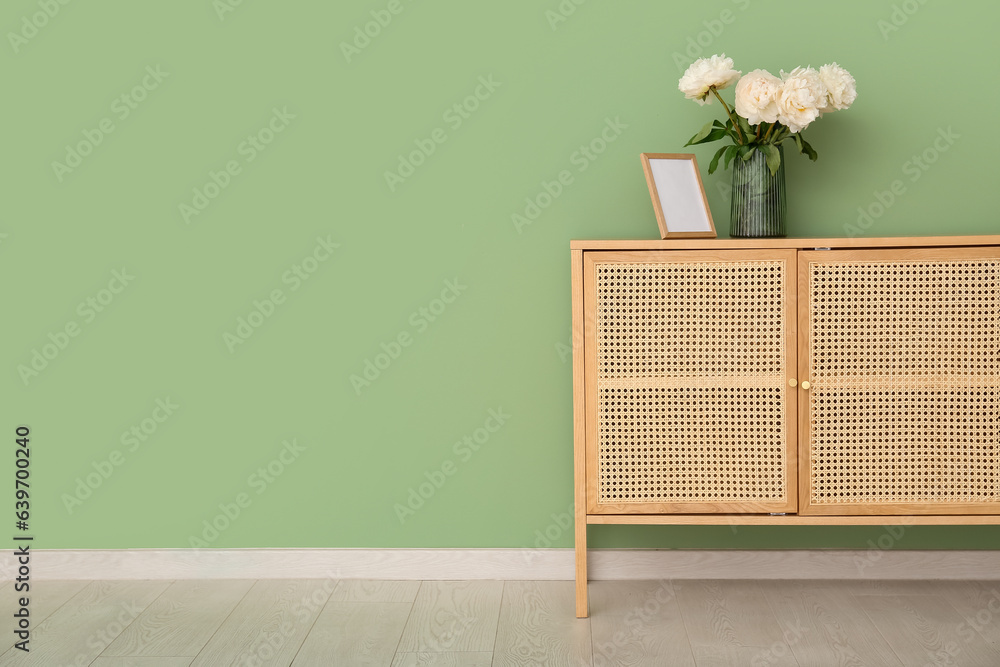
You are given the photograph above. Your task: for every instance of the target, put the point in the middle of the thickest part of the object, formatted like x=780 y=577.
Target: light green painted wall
x=499 y=345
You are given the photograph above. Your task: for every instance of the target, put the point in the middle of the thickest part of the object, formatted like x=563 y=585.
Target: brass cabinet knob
x=792 y=382
x=805 y=384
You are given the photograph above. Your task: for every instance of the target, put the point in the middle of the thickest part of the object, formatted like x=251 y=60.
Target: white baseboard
x=510 y=564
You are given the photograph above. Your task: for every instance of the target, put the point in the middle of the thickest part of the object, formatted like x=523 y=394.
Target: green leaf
x=746 y=152
x=730 y=154
x=702 y=133
x=713 y=165
x=714 y=135
x=773 y=157
x=744 y=125
x=804 y=147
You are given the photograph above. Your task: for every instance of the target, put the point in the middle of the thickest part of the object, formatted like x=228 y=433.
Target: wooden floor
x=452 y=623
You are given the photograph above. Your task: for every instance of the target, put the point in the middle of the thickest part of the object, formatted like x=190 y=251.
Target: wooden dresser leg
x=581 y=564
x=579 y=435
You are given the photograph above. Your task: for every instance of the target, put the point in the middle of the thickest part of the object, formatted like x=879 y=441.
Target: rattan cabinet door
x=688 y=361
x=903 y=359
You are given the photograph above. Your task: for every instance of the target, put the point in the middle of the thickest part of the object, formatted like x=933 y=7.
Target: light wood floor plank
x=453 y=616
x=79 y=630
x=535 y=628
x=269 y=624
x=354 y=633
x=44 y=597
x=463 y=659
x=637 y=623
x=477 y=623
x=822 y=626
x=730 y=623
x=368 y=590
x=182 y=620
x=146 y=661
x=881 y=587
x=924 y=629
x=977 y=602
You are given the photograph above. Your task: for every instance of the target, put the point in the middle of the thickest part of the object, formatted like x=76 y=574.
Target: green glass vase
x=758 y=204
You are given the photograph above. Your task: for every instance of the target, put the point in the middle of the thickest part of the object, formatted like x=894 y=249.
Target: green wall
x=256 y=106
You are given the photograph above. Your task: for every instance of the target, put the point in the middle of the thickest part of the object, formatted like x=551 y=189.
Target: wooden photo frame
x=678 y=195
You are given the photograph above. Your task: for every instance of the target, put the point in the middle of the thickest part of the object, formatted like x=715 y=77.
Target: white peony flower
x=757 y=97
x=840 y=85
x=802 y=96
x=705 y=73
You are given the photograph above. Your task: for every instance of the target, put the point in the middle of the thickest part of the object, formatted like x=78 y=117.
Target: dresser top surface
x=788 y=243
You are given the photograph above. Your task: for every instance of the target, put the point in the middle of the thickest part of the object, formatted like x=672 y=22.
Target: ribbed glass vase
x=758 y=206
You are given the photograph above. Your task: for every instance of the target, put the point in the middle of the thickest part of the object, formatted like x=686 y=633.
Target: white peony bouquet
x=768 y=109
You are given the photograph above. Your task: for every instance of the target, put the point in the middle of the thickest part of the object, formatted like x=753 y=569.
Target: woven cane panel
x=690 y=361
x=905 y=366
x=698 y=319
x=698 y=444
